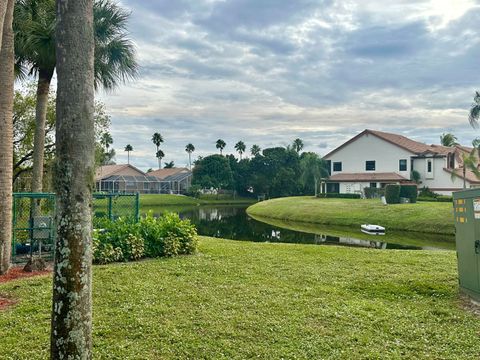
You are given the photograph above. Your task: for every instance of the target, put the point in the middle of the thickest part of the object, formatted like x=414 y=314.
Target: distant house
x=125 y=179
x=375 y=159
x=173 y=180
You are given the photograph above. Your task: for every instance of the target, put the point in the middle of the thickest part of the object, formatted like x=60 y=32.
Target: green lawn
x=429 y=217
x=156 y=200
x=238 y=300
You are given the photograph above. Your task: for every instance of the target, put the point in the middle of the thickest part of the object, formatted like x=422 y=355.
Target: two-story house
x=376 y=158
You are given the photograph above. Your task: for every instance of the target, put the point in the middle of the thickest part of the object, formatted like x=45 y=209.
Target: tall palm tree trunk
x=43 y=88
x=464 y=175
x=190 y=160
x=71 y=332
x=6 y=133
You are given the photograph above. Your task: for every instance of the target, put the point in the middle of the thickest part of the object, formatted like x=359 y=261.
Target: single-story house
x=376 y=158
x=173 y=180
x=125 y=178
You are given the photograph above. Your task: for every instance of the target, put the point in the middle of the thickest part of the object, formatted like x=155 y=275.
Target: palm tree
x=34 y=26
x=128 y=148
x=169 y=165
x=475 y=110
x=106 y=140
x=220 y=144
x=6 y=131
x=255 y=150
x=71 y=330
x=469 y=162
x=160 y=155
x=297 y=145
x=476 y=145
x=313 y=167
x=240 y=147
x=190 y=149
x=448 y=139
x=157 y=139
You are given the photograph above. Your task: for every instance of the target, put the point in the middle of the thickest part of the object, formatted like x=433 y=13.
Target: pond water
x=232 y=222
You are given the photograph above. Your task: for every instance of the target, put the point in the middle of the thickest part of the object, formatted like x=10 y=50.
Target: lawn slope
x=426 y=217
x=238 y=300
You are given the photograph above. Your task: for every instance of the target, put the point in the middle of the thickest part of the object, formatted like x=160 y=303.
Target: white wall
x=370 y=147
x=441 y=179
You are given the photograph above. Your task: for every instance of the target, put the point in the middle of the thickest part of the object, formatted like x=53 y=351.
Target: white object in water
x=373 y=229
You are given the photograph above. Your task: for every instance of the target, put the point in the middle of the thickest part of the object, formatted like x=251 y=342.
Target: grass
x=156 y=200
x=237 y=300
x=425 y=217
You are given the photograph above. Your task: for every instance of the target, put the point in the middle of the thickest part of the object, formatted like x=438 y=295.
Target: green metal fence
x=34 y=220
x=33 y=225
x=112 y=206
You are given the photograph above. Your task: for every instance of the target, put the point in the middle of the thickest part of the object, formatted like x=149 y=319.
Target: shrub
x=194 y=191
x=168 y=235
x=372 y=193
x=410 y=192
x=439 y=198
x=392 y=194
x=340 y=196
x=123 y=240
x=426 y=192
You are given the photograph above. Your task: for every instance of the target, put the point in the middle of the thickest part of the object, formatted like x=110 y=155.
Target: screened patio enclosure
x=145 y=184
x=142 y=184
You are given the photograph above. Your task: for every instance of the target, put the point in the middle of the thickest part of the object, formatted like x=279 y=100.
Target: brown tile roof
x=105 y=171
x=364 y=177
x=163 y=173
x=469 y=175
x=414 y=147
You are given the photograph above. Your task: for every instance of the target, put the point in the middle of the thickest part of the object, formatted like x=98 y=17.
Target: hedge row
x=124 y=240
x=439 y=198
x=340 y=196
x=393 y=193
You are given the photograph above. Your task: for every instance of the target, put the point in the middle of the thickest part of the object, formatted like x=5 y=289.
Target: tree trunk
x=3 y=10
x=190 y=160
x=71 y=333
x=43 y=88
x=464 y=174
x=6 y=134
x=316 y=186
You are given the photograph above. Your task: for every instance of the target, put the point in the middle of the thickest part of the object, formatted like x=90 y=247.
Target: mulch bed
x=18 y=273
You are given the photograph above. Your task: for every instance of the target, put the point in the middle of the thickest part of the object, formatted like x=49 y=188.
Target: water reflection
x=232 y=222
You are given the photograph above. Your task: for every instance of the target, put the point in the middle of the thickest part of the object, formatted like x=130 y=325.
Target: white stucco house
x=376 y=158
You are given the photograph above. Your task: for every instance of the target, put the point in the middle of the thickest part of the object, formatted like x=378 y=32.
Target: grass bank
x=148 y=201
x=425 y=217
x=237 y=300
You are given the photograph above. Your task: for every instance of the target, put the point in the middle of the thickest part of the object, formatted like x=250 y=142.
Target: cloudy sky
x=269 y=71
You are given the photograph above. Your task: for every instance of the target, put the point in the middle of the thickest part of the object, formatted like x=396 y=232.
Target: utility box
x=466 y=205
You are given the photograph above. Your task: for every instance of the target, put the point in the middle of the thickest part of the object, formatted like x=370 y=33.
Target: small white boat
x=373 y=229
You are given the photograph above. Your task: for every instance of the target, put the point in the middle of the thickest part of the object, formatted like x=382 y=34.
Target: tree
x=220 y=144
x=470 y=162
x=157 y=139
x=190 y=149
x=71 y=333
x=106 y=140
x=160 y=155
x=169 y=165
x=255 y=150
x=448 y=139
x=24 y=129
x=240 y=147
x=297 y=145
x=128 y=148
x=313 y=168
x=34 y=27
x=213 y=172
x=475 y=110
x=6 y=131
x=476 y=145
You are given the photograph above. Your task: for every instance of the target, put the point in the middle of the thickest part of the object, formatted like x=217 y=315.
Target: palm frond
x=475 y=111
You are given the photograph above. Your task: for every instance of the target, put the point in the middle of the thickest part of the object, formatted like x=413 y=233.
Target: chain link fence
x=34 y=220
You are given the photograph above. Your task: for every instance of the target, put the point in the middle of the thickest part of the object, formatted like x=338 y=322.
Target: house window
x=451 y=161
x=333 y=188
x=337 y=166
x=370 y=165
x=329 y=167
x=402 y=166
x=429 y=166
x=373 y=185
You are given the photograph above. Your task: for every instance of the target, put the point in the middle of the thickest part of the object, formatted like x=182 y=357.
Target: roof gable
x=105 y=171
x=414 y=147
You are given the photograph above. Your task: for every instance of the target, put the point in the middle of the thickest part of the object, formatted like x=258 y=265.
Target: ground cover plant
x=426 y=217
x=237 y=300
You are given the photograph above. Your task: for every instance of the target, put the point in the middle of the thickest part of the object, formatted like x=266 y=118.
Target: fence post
x=14 y=236
x=137 y=206
x=109 y=197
